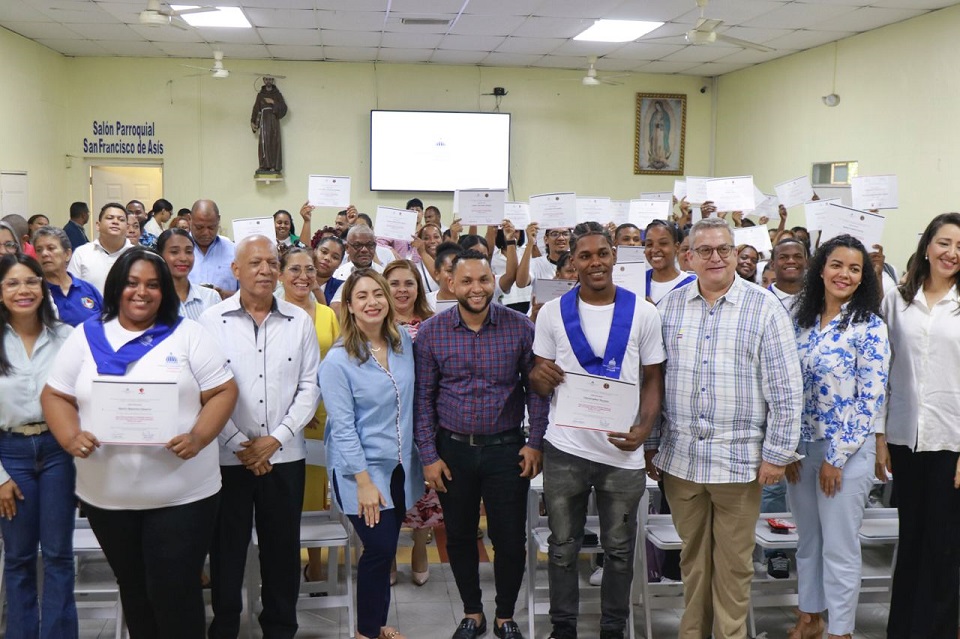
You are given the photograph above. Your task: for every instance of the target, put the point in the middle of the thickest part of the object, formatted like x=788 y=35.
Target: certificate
x=249 y=226
x=679 y=189
x=696 y=189
x=554 y=210
x=768 y=206
x=619 y=211
x=866 y=227
x=642 y=212
x=479 y=207
x=817 y=211
x=630 y=254
x=596 y=403
x=328 y=190
x=874 y=192
x=659 y=195
x=518 y=213
x=546 y=290
x=593 y=209
x=732 y=193
x=794 y=192
x=631 y=276
x=756 y=236
x=134 y=412
x=395 y=224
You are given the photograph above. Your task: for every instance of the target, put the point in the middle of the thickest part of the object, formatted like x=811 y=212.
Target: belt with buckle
x=31 y=429
x=494 y=439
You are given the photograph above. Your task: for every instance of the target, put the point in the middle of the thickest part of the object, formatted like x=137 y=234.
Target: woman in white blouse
x=151 y=493
x=923 y=435
x=844 y=357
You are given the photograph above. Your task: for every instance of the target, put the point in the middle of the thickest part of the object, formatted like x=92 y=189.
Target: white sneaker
x=597 y=577
x=668 y=580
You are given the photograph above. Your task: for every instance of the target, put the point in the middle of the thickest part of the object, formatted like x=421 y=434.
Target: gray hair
x=710 y=223
x=359 y=228
x=53 y=231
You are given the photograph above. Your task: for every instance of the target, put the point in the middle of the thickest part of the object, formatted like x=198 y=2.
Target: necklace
x=375 y=350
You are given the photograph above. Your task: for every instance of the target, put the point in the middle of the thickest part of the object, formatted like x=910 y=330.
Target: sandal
x=390 y=633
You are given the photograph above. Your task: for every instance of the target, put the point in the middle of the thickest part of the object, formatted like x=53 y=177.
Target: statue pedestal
x=267 y=178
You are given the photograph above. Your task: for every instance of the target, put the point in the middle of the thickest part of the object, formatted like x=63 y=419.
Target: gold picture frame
x=660 y=134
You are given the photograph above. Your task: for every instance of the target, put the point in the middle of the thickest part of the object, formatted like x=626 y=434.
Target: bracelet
x=511 y=242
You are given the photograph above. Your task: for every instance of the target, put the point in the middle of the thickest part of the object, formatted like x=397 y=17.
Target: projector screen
x=438 y=151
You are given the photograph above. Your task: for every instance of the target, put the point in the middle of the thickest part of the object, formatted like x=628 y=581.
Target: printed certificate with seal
x=596 y=403
x=134 y=412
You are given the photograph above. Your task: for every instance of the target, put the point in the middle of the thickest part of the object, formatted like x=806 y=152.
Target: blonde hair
x=351 y=337
x=421 y=308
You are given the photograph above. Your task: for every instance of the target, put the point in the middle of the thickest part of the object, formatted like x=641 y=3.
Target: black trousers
x=926 y=580
x=274 y=501
x=491 y=473
x=157 y=556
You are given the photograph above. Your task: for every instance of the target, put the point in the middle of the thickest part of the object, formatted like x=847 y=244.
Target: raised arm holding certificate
x=477 y=207
x=395 y=224
x=328 y=190
x=794 y=192
x=696 y=189
x=874 y=192
x=132 y=412
x=817 y=211
x=518 y=213
x=596 y=403
x=554 y=210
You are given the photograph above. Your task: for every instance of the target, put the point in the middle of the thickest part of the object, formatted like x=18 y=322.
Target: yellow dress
x=315 y=488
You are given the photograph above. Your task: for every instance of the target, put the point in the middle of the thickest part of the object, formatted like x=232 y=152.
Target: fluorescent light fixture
x=231 y=17
x=617 y=30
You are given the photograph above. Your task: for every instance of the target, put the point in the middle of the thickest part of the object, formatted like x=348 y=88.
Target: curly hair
x=811 y=299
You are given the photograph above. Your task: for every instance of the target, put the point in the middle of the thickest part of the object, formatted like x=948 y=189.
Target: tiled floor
x=432 y=611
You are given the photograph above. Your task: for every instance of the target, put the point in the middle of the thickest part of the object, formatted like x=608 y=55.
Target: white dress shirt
x=924 y=398
x=275 y=365
x=92 y=262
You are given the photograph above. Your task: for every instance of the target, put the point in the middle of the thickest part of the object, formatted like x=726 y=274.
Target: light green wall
x=31 y=118
x=564 y=135
x=900 y=94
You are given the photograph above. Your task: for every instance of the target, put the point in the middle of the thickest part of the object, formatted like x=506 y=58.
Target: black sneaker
x=470 y=629
x=611 y=634
x=778 y=565
x=563 y=631
x=507 y=630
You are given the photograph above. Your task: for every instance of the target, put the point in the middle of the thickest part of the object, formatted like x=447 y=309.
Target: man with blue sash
x=601 y=330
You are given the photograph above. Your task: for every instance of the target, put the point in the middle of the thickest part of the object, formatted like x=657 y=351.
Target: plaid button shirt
x=475 y=382
x=733 y=387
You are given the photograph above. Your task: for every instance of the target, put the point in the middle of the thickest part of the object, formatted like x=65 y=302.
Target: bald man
x=271 y=347
x=213 y=253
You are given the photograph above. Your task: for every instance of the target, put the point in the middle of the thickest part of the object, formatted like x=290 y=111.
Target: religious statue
x=659 y=137
x=265 y=120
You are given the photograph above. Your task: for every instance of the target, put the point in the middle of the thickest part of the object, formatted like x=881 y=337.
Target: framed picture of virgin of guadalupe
x=660 y=134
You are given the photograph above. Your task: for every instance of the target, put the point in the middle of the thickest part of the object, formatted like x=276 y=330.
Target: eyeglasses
x=558 y=234
x=359 y=246
x=10 y=246
x=705 y=252
x=297 y=271
x=30 y=282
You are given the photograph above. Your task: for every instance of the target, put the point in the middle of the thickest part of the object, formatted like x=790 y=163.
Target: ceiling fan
x=219 y=72
x=159 y=14
x=591 y=79
x=705 y=32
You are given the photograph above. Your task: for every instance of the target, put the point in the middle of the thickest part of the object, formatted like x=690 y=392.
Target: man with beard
x=473 y=366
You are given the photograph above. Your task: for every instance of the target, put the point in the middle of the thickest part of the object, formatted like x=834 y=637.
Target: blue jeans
x=46 y=476
x=567 y=482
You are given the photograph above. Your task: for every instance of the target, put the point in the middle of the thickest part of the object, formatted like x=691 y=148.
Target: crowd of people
x=165 y=378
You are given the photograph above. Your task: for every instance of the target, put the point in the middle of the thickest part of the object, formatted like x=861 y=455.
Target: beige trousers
x=716 y=523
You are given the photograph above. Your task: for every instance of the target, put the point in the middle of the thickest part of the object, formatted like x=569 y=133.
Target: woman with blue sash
x=661 y=243
x=138 y=396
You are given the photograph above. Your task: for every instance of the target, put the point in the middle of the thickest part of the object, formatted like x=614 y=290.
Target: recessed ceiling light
x=218 y=17
x=617 y=30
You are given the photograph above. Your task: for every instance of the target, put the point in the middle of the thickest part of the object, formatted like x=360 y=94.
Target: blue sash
x=685 y=281
x=110 y=362
x=609 y=365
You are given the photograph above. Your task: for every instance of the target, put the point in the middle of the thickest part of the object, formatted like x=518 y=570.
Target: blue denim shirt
x=370 y=422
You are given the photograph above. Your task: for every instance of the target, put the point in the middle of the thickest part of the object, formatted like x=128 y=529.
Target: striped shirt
x=199 y=299
x=734 y=390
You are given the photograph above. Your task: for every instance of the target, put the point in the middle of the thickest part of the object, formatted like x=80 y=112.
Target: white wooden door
x=13 y=193
x=124 y=183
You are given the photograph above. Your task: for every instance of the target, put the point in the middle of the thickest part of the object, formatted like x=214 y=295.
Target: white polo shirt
x=91 y=262
x=117 y=477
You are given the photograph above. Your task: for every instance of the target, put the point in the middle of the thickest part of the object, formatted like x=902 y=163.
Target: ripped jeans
x=567 y=482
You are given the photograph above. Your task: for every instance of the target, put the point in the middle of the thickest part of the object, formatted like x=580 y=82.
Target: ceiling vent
x=425 y=22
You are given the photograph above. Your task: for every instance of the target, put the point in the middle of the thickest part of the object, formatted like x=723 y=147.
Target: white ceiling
x=522 y=33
